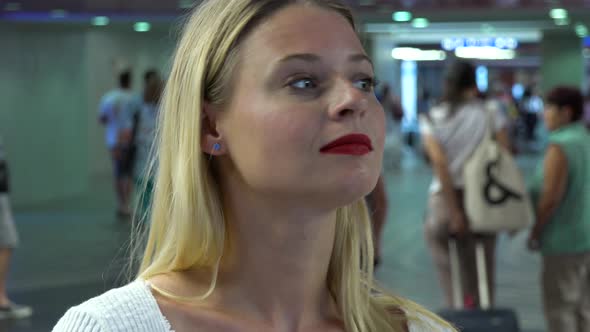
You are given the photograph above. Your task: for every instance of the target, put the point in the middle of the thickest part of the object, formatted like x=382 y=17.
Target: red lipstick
x=353 y=144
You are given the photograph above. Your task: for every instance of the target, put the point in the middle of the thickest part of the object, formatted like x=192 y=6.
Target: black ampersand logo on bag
x=492 y=183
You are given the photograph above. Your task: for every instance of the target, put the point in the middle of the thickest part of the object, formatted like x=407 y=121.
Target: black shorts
x=4 y=181
x=123 y=166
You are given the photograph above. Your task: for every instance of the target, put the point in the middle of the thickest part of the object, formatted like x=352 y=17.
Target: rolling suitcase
x=482 y=319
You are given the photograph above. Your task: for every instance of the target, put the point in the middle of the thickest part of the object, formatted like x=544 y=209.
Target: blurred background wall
x=56 y=62
x=51 y=82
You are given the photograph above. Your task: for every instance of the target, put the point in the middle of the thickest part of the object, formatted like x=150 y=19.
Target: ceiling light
x=420 y=23
x=12 y=6
x=581 y=30
x=558 y=13
x=484 y=53
x=100 y=21
x=416 y=54
x=58 y=13
x=401 y=16
x=142 y=27
x=562 y=21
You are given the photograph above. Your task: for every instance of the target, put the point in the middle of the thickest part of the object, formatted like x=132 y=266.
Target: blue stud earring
x=216 y=147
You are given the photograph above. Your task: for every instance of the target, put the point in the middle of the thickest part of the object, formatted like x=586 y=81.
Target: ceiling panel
x=368 y=10
x=169 y=5
x=462 y=4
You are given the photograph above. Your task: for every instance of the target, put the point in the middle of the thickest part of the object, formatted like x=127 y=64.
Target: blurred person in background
x=451 y=132
x=377 y=205
x=587 y=110
x=391 y=104
x=501 y=95
x=258 y=221
x=377 y=199
x=8 y=242
x=531 y=107
x=140 y=131
x=112 y=115
x=424 y=101
x=561 y=190
x=393 y=116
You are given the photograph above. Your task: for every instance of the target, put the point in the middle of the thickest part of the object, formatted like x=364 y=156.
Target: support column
x=562 y=59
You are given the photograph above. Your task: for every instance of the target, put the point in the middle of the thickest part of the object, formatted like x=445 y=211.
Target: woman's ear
x=211 y=140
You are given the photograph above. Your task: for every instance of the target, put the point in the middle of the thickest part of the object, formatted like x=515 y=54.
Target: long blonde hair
x=188 y=228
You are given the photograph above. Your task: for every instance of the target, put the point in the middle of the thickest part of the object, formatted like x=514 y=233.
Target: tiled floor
x=74 y=250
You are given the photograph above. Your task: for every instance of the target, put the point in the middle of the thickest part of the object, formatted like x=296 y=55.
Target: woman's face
x=303 y=81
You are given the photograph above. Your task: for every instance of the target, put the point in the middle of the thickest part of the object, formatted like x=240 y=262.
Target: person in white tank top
x=451 y=132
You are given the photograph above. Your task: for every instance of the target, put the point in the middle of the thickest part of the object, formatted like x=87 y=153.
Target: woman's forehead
x=303 y=29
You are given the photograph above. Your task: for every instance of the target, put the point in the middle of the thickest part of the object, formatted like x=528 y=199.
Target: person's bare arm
x=126 y=118
x=440 y=166
x=503 y=138
x=555 y=179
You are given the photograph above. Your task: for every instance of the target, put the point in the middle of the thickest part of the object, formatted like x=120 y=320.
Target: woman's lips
x=353 y=144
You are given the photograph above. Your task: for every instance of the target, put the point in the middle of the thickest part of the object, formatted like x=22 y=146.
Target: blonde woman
x=270 y=137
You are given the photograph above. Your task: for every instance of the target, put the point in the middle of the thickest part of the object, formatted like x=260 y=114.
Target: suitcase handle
x=456 y=274
x=482 y=274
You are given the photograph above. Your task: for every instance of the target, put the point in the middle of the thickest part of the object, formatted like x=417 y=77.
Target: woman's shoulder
x=128 y=308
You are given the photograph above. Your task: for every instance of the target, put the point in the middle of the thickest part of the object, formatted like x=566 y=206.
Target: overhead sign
x=504 y=43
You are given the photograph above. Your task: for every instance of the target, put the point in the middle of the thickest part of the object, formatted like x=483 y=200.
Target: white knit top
x=133 y=308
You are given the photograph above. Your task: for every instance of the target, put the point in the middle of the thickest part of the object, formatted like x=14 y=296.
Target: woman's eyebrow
x=309 y=57
x=360 y=58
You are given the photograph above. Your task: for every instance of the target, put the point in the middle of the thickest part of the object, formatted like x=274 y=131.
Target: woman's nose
x=348 y=101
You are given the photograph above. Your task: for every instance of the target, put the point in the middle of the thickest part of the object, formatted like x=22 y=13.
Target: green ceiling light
x=58 y=13
x=142 y=27
x=581 y=30
x=558 y=13
x=420 y=23
x=12 y=6
x=401 y=16
x=100 y=21
x=562 y=21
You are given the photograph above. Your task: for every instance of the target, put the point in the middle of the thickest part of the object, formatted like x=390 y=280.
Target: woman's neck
x=276 y=267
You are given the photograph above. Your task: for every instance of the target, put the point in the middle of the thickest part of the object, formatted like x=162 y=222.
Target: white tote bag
x=496 y=198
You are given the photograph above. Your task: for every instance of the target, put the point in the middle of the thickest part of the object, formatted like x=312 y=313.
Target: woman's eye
x=304 y=83
x=366 y=84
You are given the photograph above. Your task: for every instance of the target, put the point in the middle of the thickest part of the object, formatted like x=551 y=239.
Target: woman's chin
x=346 y=195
